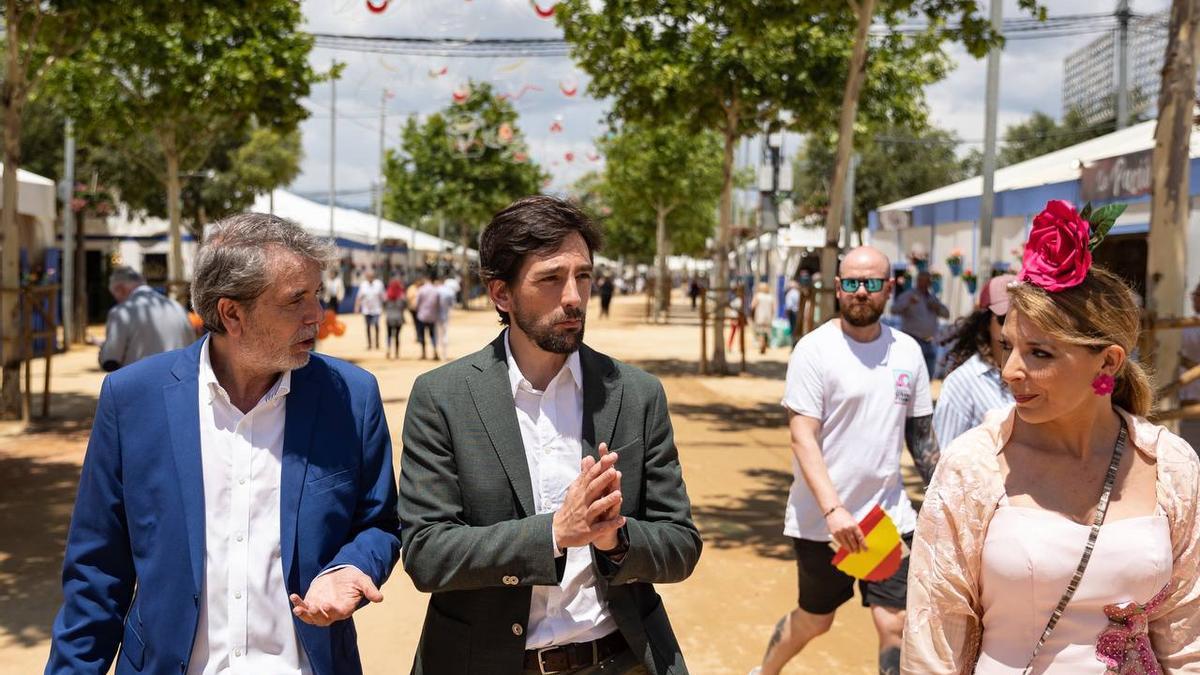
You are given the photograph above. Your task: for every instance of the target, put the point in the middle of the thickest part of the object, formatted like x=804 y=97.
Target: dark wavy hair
x=971 y=336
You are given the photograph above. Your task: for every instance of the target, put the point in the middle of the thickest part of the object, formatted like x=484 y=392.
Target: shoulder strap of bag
x=1101 y=510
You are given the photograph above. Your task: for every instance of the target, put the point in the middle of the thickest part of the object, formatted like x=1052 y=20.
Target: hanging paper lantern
x=379 y=6
x=505 y=133
x=557 y=125
x=569 y=156
x=593 y=156
x=461 y=94
x=546 y=12
x=569 y=87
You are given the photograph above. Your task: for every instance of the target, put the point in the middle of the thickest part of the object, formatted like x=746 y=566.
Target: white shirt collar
x=516 y=378
x=209 y=382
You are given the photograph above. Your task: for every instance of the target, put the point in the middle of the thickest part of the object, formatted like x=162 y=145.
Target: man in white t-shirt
x=369 y=302
x=856 y=391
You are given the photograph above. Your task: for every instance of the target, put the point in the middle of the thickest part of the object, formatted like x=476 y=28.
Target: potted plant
x=970 y=280
x=955 y=262
x=936 y=282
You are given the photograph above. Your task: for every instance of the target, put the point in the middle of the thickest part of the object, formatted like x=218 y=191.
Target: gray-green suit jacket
x=473 y=539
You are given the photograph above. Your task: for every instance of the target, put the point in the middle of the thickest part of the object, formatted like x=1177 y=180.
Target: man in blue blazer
x=237 y=502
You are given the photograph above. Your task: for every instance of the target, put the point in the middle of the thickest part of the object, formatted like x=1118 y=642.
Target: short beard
x=861 y=315
x=279 y=358
x=544 y=335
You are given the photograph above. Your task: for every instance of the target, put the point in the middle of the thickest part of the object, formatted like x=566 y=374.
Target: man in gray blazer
x=143 y=323
x=538 y=542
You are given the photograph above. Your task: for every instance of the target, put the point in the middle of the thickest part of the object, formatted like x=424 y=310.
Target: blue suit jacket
x=139 y=515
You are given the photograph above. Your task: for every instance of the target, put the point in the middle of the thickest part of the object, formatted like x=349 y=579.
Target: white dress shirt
x=245 y=615
x=551 y=423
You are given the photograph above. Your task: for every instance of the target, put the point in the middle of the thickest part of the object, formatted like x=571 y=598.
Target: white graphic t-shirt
x=862 y=392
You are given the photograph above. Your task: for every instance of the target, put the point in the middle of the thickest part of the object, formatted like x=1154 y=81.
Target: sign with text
x=1115 y=177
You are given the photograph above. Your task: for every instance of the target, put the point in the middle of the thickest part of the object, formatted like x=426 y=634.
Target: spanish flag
x=884 y=549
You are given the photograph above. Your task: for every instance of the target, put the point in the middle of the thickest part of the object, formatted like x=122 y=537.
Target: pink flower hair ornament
x=1058 y=253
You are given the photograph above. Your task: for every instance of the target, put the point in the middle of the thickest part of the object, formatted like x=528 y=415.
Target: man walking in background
x=856 y=392
x=919 y=309
x=369 y=301
x=143 y=323
x=429 y=310
x=446 y=297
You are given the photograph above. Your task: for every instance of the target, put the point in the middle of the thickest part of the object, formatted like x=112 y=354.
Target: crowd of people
x=238 y=503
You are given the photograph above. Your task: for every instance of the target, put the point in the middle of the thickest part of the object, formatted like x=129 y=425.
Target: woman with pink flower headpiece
x=1061 y=535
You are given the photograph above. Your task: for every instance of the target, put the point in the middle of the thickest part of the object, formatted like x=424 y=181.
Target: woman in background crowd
x=974 y=386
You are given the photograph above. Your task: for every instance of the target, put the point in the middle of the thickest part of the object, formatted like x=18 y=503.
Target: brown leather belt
x=562 y=658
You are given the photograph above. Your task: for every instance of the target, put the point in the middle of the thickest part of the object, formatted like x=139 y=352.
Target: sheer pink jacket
x=942 y=630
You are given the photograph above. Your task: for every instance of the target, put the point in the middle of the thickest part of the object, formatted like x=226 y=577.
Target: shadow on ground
x=773 y=370
x=70 y=416
x=34 y=516
x=751 y=520
x=731 y=417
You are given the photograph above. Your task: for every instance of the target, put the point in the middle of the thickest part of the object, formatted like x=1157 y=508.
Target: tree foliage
x=733 y=67
x=165 y=93
x=652 y=170
x=894 y=163
x=460 y=165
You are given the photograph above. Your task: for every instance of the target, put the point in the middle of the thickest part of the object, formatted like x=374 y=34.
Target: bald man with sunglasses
x=856 y=392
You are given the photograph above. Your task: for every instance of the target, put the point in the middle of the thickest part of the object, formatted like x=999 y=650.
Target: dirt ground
x=732 y=440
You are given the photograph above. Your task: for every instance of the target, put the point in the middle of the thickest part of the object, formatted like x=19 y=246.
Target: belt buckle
x=542 y=664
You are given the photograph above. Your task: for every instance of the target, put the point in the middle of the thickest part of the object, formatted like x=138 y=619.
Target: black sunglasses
x=873 y=285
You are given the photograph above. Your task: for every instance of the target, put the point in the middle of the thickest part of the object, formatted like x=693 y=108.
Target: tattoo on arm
x=921 y=442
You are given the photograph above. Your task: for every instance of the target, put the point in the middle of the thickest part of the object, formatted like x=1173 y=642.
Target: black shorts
x=824 y=588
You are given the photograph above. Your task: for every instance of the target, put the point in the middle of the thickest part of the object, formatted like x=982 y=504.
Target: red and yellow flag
x=884 y=549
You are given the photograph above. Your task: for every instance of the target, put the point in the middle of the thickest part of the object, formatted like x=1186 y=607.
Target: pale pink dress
x=944 y=625
x=1029 y=556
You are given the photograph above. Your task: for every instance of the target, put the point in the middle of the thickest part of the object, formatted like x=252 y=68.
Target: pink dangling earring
x=1104 y=384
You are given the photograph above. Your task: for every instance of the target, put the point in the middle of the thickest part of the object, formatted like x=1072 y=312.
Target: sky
x=1030 y=80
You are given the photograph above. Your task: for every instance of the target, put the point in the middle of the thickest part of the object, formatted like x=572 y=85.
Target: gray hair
x=234 y=261
x=125 y=275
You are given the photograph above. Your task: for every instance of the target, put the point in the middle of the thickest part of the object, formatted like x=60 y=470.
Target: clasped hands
x=591 y=512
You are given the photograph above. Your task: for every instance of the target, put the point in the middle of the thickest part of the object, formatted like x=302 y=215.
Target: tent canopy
x=351 y=225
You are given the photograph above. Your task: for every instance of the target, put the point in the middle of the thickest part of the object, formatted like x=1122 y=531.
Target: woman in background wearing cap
x=1061 y=536
x=974 y=385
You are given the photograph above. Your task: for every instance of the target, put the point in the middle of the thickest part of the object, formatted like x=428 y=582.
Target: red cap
x=994 y=295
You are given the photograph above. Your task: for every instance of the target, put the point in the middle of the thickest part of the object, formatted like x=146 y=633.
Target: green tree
x=460 y=166
x=894 y=163
x=164 y=94
x=667 y=178
x=733 y=67
x=1041 y=134
x=38 y=35
x=970 y=28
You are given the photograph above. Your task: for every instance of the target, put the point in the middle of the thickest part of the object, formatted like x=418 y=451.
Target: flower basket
x=955 y=262
x=970 y=280
x=936 y=283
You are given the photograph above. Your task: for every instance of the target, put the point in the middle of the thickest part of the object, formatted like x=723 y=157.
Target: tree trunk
x=662 y=249
x=1170 y=202
x=13 y=94
x=721 y=282
x=465 y=267
x=857 y=75
x=175 y=276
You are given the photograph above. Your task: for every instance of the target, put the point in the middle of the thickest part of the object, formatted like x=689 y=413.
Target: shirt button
x=518 y=630
x=239 y=537
x=237 y=652
x=241 y=481
x=238 y=595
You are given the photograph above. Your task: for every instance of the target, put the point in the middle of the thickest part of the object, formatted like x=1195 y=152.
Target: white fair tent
x=36 y=198
x=351 y=225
